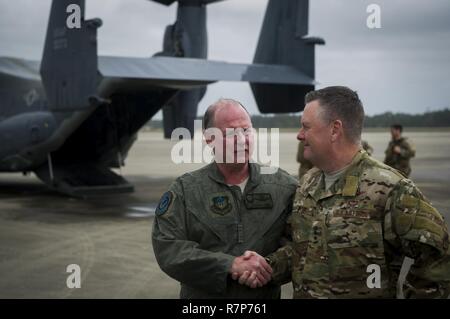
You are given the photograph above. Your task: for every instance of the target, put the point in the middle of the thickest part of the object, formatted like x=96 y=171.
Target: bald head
x=224 y=111
x=228 y=129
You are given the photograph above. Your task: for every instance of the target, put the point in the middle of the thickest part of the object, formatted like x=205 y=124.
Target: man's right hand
x=251 y=269
x=397 y=149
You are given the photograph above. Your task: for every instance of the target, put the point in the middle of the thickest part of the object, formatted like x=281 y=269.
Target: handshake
x=251 y=269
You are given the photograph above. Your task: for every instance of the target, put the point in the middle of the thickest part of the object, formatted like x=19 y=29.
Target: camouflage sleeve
x=407 y=150
x=180 y=257
x=281 y=260
x=419 y=231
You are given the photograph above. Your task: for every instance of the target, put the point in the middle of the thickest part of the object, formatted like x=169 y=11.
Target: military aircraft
x=73 y=116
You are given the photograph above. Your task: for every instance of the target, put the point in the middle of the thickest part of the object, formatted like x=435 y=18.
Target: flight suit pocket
x=210 y=230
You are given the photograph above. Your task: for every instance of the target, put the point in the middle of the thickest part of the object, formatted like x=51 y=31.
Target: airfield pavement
x=42 y=232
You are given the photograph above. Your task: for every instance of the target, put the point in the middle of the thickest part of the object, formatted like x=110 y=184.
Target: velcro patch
x=258 y=200
x=346 y=213
x=351 y=186
x=423 y=223
x=403 y=223
x=221 y=205
x=427 y=208
x=410 y=201
x=164 y=203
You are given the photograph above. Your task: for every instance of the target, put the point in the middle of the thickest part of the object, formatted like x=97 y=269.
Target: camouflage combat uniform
x=306 y=165
x=201 y=224
x=370 y=215
x=400 y=161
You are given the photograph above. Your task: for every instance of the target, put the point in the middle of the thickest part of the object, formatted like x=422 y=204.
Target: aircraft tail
x=69 y=61
x=283 y=41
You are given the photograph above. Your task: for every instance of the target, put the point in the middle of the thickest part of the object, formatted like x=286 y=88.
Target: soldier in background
x=355 y=219
x=399 y=151
x=306 y=165
x=365 y=145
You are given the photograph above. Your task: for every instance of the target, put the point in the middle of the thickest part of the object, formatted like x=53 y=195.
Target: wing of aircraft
x=282 y=72
x=19 y=68
x=74 y=115
x=188 y=73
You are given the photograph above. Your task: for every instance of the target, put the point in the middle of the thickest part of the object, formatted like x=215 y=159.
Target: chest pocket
x=350 y=226
x=355 y=241
x=211 y=226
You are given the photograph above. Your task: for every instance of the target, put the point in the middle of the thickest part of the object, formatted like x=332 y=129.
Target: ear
x=212 y=135
x=336 y=130
x=209 y=139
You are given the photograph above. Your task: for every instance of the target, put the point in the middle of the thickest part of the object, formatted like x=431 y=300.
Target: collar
x=346 y=185
x=254 y=178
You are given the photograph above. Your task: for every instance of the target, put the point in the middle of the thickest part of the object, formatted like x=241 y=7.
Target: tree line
x=439 y=118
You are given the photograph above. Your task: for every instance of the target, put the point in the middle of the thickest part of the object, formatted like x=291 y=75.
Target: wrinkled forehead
x=231 y=116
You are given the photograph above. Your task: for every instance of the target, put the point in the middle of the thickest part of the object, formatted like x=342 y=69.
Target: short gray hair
x=341 y=103
x=208 y=118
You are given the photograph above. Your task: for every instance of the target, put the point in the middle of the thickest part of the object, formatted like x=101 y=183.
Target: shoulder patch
x=164 y=203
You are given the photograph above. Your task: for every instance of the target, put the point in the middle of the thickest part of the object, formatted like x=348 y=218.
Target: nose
x=301 y=134
x=240 y=141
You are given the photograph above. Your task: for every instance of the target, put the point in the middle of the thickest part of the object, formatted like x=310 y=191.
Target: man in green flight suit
x=399 y=151
x=355 y=219
x=209 y=218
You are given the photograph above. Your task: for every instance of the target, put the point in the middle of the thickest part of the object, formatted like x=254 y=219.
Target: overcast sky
x=402 y=67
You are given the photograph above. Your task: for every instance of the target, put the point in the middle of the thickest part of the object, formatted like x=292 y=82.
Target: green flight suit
x=202 y=224
x=371 y=217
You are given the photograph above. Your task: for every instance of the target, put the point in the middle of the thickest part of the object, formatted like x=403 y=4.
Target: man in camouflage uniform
x=399 y=151
x=354 y=219
x=212 y=216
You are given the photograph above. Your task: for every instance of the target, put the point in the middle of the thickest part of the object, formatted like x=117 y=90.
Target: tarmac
x=109 y=236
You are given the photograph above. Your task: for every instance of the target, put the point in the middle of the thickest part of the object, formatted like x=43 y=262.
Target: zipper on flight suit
x=238 y=217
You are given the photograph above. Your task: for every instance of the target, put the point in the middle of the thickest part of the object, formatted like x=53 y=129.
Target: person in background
x=399 y=151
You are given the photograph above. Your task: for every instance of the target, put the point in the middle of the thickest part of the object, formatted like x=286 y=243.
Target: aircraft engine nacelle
x=20 y=134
